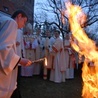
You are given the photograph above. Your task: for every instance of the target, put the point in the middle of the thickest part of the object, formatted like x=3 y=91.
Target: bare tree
x=90 y=7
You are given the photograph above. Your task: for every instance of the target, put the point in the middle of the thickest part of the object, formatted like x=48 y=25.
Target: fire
x=85 y=47
x=45 y=61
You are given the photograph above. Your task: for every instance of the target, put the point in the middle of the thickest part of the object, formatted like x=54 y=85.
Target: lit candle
x=45 y=61
x=45 y=69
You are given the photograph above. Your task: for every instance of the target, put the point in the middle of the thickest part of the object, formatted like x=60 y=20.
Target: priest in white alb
x=58 y=70
x=8 y=57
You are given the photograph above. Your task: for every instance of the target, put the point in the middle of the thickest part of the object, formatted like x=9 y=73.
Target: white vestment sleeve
x=8 y=59
x=8 y=56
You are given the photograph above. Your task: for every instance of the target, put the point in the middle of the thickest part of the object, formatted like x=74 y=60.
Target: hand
x=25 y=62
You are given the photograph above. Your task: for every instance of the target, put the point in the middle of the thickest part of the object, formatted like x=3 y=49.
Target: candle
x=45 y=61
x=39 y=60
x=45 y=66
x=45 y=69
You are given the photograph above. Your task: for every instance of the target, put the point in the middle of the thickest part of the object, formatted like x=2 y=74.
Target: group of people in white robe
x=59 y=53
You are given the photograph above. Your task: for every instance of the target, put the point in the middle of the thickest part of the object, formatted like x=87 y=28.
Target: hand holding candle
x=25 y=62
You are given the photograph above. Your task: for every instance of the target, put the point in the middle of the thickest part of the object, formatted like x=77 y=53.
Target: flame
x=87 y=48
x=45 y=61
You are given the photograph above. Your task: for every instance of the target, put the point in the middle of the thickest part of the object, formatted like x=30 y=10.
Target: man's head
x=20 y=17
x=48 y=34
x=57 y=33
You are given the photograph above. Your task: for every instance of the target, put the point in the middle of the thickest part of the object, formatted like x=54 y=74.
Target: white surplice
x=69 y=74
x=58 y=72
x=48 y=51
x=38 y=52
x=30 y=54
x=8 y=56
x=20 y=48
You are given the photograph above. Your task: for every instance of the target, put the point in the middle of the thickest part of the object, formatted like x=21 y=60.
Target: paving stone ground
x=36 y=87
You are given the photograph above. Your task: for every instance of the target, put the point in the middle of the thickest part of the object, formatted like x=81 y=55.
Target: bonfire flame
x=87 y=48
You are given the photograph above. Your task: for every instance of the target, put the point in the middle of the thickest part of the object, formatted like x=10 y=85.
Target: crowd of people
x=61 y=58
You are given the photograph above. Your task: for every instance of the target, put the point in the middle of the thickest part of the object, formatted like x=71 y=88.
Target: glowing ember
x=87 y=48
